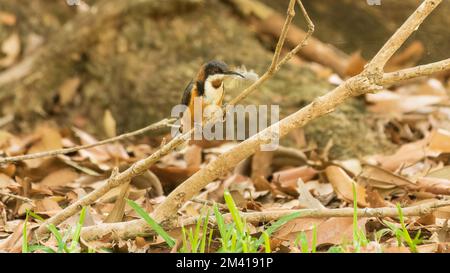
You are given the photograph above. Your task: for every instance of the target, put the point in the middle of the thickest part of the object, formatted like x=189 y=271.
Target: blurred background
x=70 y=62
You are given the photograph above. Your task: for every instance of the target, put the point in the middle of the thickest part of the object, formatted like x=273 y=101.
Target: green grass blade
x=204 y=234
x=155 y=226
x=184 y=249
x=280 y=222
x=25 y=235
x=356 y=243
x=314 y=239
x=58 y=236
x=303 y=242
x=35 y=216
x=234 y=212
x=45 y=249
x=220 y=221
x=267 y=248
x=405 y=234
x=76 y=234
x=211 y=232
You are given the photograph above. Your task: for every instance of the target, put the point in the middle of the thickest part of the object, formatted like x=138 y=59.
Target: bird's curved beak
x=234 y=73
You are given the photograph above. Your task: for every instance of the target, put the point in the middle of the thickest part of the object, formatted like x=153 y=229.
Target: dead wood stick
x=414 y=72
x=152 y=127
x=368 y=81
x=18 y=197
x=130 y=229
x=142 y=165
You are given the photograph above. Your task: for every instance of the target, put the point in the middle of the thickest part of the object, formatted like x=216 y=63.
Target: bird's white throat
x=212 y=94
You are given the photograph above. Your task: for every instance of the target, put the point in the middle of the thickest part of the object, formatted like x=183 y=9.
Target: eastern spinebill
x=208 y=86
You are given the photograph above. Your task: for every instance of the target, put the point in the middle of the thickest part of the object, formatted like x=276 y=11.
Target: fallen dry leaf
x=434 y=185
x=193 y=156
x=49 y=139
x=406 y=155
x=7 y=18
x=390 y=102
x=290 y=176
x=59 y=178
x=109 y=124
x=342 y=184
x=306 y=199
x=68 y=89
x=261 y=164
x=329 y=231
x=439 y=141
x=355 y=64
x=379 y=178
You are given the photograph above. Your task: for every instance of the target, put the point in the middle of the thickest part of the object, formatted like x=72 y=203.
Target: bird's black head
x=215 y=67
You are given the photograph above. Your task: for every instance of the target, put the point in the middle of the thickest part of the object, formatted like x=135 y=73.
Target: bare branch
x=155 y=126
x=378 y=62
x=131 y=229
x=414 y=72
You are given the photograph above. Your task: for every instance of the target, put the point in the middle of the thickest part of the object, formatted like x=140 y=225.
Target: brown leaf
x=49 y=139
x=109 y=124
x=289 y=176
x=261 y=164
x=59 y=178
x=439 y=141
x=391 y=102
x=96 y=155
x=5 y=181
x=329 y=231
x=375 y=200
x=355 y=64
x=306 y=199
x=8 y=169
x=406 y=155
x=342 y=184
x=383 y=179
x=47 y=206
x=193 y=156
x=434 y=185
x=68 y=89
x=7 y=18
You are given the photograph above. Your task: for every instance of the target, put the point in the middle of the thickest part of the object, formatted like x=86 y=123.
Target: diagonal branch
x=378 y=62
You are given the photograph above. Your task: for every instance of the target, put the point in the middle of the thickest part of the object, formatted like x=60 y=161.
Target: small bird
x=208 y=86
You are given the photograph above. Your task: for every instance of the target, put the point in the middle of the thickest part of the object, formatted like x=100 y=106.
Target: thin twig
x=130 y=229
x=414 y=72
x=155 y=126
x=18 y=197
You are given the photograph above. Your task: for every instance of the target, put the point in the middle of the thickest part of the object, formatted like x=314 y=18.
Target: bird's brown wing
x=187 y=94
